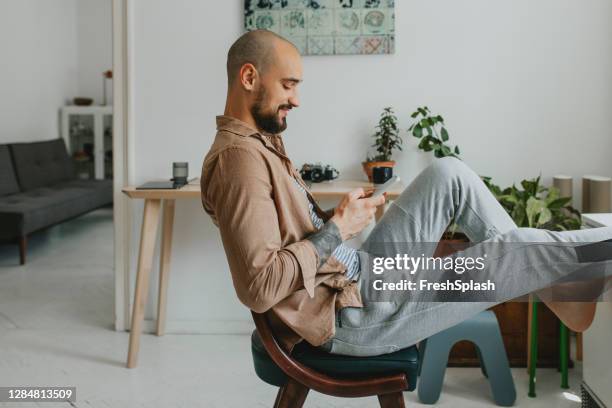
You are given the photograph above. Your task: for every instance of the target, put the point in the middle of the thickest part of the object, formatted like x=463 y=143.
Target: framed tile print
x=327 y=27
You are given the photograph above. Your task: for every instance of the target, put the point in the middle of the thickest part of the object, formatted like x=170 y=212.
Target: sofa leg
x=393 y=400
x=291 y=395
x=23 y=241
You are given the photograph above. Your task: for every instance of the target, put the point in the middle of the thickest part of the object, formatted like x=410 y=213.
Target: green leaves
x=536 y=206
x=444 y=135
x=533 y=209
x=417 y=131
x=433 y=131
x=387 y=136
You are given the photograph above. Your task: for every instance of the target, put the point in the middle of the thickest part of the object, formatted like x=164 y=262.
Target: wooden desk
x=156 y=200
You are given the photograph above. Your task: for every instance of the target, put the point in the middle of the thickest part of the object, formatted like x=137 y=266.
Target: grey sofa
x=38 y=189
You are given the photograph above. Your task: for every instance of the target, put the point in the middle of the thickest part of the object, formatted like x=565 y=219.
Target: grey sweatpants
x=448 y=189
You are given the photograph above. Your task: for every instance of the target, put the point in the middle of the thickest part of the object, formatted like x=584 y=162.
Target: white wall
x=38 y=66
x=524 y=86
x=94 y=45
x=51 y=52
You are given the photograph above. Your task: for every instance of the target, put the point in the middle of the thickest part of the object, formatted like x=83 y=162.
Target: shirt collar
x=233 y=125
x=240 y=128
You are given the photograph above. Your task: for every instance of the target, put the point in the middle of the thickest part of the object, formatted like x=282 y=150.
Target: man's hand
x=356 y=211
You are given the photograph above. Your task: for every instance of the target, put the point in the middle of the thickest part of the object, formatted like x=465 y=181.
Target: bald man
x=288 y=257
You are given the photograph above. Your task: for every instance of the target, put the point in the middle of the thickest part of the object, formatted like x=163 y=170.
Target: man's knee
x=449 y=167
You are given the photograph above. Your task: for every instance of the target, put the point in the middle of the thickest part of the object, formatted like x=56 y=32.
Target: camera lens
x=316 y=175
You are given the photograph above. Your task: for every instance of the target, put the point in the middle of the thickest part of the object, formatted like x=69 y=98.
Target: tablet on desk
x=158 y=185
x=162 y=185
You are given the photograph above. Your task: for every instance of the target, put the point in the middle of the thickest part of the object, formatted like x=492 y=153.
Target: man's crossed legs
x=446 y=190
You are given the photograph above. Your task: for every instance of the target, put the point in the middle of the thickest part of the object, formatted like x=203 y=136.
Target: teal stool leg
x=496 y=365
x=533 y=346
x=563 y=351
x=483 y=331
x=432 y=367
x=483 y=369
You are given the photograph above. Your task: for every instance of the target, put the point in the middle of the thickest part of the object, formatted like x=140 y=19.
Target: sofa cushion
x=39 y=208
x=40 y=164
x=8 y=179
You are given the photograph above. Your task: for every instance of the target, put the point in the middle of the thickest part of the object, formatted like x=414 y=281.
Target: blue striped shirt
x=343 y=253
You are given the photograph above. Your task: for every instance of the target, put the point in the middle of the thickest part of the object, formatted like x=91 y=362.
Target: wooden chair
x=308 y=367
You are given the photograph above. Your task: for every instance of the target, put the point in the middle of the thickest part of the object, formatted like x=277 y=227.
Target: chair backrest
x=321 y=382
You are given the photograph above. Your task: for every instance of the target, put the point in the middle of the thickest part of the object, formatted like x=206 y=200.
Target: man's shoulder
x=229 y=145
x=235 y=153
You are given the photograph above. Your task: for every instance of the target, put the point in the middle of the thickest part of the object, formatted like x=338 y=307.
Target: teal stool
x=483 y=331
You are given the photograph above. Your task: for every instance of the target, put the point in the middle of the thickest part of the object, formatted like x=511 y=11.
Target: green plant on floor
x=537 y=206
x=431 y=130
x=387 y=137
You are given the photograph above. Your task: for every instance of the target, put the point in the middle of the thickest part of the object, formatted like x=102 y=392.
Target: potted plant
x=537 y=206
x=387 y=139
x=432 y=132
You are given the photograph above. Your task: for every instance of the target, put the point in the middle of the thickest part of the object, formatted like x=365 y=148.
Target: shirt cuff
x=308 y=260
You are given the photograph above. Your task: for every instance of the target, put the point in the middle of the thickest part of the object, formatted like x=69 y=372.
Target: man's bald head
x=256 y=47
x=263 y=71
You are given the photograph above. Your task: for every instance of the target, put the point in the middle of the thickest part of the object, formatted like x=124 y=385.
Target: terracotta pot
x=368 y=166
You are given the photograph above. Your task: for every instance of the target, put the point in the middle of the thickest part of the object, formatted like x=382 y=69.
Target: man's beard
x=267 y=121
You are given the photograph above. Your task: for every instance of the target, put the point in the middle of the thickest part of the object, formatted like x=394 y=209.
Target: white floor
x=56 y=328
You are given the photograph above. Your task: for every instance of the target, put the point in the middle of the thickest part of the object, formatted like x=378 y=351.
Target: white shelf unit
x=98 y=113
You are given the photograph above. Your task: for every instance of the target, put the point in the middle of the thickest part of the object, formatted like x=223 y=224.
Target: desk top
x=597 y=219
x=325 y=189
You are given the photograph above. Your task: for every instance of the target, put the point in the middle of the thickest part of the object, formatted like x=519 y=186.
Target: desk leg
x=148 y=234
x=164 y=264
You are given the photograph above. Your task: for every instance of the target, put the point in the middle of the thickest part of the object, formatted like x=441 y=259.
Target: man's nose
x=294 y=101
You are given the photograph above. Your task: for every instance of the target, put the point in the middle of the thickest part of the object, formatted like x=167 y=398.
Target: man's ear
x=248 y=76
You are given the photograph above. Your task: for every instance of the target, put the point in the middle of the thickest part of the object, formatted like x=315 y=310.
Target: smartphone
x=383 y=188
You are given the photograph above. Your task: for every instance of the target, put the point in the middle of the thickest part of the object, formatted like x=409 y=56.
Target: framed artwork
x=327 y=27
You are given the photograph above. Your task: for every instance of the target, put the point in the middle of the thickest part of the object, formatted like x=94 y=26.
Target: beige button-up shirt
x=263 y=219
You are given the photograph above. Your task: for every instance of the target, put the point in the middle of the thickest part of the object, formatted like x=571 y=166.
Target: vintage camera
x=317 y=173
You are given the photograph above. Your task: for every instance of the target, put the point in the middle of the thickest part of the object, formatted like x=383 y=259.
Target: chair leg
x=23 y=242
x=291 y=395
x=393 y=400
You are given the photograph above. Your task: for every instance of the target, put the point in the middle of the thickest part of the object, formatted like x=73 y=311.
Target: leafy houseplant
x=537 y=206
x=534 y=206
x=432 y=132
x=387 y=139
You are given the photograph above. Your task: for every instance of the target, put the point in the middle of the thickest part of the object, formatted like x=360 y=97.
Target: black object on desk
x=163 y=185
x=159 y=185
